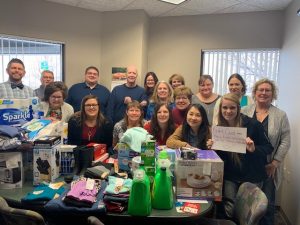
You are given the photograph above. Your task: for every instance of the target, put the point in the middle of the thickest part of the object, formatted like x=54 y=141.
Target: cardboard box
x=11 y=170
x=99 y=150
x=18 y=111
x=201 y=178
x=67 y=160
x=46 y=164
x=125 y=155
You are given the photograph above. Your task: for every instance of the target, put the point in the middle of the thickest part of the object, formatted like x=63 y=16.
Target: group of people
x=174 y=116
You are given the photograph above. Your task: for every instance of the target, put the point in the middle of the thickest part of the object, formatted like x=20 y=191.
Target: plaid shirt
x=7 y=92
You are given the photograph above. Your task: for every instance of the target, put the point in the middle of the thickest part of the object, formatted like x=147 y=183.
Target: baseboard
x=286 y=219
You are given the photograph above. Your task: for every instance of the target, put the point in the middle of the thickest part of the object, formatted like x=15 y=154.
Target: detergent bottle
x=140 y=196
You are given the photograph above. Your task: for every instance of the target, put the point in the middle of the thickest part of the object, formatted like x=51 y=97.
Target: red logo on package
x=193 y=208
x=99 y=149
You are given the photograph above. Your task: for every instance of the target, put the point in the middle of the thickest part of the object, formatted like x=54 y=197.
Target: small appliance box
x=46 y=159
x=125 y=155
x=19 y=111
x=201 y=178
x=99 y=150
x=67 y=161
x=11 y=170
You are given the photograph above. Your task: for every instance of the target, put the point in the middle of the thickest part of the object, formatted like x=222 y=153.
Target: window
x=37 y=55
x=252 y=65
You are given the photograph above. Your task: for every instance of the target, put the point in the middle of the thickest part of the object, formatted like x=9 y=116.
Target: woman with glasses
x=239 y=167
x=276 y=126
x=183 y=98
x=53 y=106
x=205 y=96
x=237 y=86
x=134 y=117
x=89 y=125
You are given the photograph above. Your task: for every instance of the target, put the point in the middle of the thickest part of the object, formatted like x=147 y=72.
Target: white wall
x=289 y=93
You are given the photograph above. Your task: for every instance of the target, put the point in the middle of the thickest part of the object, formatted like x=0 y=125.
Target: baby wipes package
x=18 y=111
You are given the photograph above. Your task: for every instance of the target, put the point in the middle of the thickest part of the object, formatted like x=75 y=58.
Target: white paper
x=230 y=139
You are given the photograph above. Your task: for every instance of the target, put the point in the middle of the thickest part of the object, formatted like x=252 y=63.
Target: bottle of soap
x=162 y=193
x=140 y=196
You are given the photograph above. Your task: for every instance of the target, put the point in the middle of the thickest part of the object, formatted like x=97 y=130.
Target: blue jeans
x=230 y=190
x=269 y=190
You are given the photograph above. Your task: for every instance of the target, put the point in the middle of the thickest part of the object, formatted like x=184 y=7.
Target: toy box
x=125 y=155
x=11 y=170
x=46 y=162
x=201 y=178
x=19 y=111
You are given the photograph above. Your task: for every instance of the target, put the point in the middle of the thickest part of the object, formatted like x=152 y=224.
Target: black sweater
x=252 y=167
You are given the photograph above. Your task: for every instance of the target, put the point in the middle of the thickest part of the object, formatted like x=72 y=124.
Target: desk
x=171 y=216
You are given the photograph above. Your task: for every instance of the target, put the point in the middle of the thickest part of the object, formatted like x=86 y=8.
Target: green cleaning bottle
x=162 y=193
x=140 y=197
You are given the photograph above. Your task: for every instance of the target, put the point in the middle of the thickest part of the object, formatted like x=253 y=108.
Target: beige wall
x=289 y=81
x=124 y=42
x=79 y=29
x=176 y=42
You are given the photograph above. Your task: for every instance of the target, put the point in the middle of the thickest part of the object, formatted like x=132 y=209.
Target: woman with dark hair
x=161 y=125
x=194 y=132
x=134 y=117
x=205 y=96
x=53 y=106
x=238 y=167
x=237 y=86
x=89 y=125
x=149 y=83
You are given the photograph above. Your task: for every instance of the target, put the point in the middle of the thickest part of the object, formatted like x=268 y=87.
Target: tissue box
x=46 y=164
x=11 y=170
x=201 y=178
x=19 y=111
x=125 y=156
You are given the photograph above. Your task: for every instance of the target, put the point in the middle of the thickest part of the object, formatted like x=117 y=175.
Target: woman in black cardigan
x=89 y=125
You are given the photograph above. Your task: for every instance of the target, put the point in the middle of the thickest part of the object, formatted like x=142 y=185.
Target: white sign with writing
x=230 y=139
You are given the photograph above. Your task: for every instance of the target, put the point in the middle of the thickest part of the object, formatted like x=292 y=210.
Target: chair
x=13 y=216
x=250 y=205
x=92 y=220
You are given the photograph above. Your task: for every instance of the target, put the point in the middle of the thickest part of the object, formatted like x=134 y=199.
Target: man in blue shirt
x=121 y=95
x=14 y=88
x=89 y=87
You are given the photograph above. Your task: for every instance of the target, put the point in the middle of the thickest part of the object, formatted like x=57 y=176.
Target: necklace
x=91 y=132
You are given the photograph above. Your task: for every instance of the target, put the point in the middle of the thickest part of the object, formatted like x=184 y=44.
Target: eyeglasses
x=56 y=97
x=264 y=90
x=181 y=98
x=91 y=105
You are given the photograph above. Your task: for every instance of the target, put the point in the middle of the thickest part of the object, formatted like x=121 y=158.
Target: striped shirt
x=7 y=92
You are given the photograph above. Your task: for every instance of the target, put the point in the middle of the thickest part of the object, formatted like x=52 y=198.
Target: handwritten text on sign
x=231 y=139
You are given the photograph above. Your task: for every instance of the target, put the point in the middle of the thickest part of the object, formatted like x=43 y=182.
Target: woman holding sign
x=239 y=167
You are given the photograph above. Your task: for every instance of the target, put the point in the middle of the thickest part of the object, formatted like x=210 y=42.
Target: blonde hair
x=265 y=81
x=155 y=98
x=176 y=77
x=183 y=90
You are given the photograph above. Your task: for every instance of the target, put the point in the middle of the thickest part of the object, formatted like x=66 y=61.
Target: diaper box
x=125 y=155
x=201 y=178
x=46 y=162
x=11 y=170
x=19 y=111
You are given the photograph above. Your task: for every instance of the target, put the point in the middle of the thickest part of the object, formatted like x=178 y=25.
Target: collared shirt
x=39 y=92
x=7 y=92
x=78 y=91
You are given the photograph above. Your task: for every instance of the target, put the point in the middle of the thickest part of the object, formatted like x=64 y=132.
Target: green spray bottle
x=140 y=197
x=162 y=193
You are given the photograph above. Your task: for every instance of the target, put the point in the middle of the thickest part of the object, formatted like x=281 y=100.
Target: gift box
x=99 y=150
x=11 y=170
x=201 y=178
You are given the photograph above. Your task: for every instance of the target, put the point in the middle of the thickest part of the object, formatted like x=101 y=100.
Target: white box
x=46 y=164
x=201 y=178
x=11 y=170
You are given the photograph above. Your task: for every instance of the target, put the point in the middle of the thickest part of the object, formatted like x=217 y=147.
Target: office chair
x=250 y=205
x=13 y=216
x=92 y=220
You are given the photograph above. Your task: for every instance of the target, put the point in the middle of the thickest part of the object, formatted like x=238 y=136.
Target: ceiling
x=156 y=8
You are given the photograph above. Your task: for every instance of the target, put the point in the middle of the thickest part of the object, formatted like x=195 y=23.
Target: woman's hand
x=271 y=168
x=209 y=143
x=250 y=145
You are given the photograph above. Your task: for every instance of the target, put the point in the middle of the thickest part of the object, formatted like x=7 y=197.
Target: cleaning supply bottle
x=140 y=197
x=162 y=193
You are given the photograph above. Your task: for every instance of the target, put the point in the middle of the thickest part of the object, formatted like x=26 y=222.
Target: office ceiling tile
x=66 y=2
x=180 y=11
x=270 y=4
x=208 y=6
x=104 y=5
x=240 y=7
